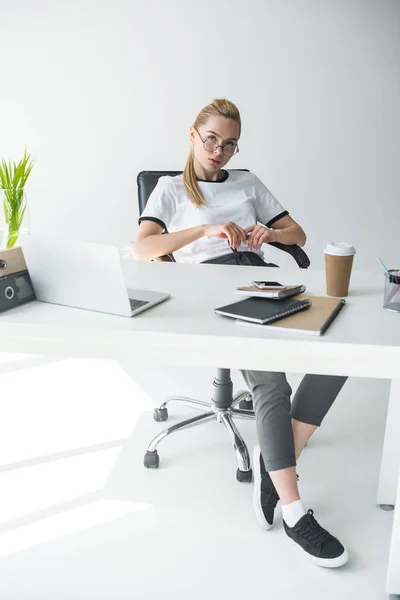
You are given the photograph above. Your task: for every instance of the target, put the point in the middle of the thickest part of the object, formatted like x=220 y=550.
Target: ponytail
x=222 y=108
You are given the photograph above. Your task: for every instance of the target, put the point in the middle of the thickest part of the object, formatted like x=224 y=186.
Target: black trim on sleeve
x=155 y=220
x=275 y=219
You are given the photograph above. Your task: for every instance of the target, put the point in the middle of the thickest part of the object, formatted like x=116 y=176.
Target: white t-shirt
x=239 y=197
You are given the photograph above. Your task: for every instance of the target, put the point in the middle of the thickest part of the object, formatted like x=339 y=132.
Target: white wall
x=98 y=90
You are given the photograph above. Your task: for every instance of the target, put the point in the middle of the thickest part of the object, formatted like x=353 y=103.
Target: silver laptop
x=83 y=275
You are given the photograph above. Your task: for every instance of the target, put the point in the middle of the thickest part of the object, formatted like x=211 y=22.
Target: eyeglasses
x=210 y=144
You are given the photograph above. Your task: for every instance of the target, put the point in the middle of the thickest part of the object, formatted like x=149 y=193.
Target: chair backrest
x=147 y=181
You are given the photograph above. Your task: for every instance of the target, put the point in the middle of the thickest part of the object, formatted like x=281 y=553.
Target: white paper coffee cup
x=338 y=264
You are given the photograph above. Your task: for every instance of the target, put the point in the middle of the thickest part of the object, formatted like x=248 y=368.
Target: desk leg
x=390 y=464
x=393 y=572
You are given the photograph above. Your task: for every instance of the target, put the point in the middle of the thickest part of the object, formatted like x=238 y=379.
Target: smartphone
x=268 y=284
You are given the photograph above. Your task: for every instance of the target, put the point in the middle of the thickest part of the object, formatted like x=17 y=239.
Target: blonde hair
x=221 y=108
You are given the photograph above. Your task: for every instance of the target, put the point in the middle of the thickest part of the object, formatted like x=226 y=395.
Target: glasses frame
x=222 y=146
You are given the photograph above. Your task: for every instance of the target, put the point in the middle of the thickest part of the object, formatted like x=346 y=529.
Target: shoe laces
x=312 y=531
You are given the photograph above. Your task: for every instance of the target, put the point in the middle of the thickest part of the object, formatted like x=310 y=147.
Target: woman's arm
x=285 y=231
x=152 y=243
x=289 y=232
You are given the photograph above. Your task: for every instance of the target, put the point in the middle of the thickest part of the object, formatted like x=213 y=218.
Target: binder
x=12 y=261
x=15 y=289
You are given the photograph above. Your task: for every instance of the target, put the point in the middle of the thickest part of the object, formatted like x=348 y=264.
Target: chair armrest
x=165 y=258
x=295 y=251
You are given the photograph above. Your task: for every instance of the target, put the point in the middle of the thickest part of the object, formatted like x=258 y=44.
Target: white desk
x=364 y=341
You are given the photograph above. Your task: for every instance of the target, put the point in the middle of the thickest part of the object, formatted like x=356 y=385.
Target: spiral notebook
x=315 y=321
x=262 y=310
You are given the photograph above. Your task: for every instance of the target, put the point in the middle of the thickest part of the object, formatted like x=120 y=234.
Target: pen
x=386 y=270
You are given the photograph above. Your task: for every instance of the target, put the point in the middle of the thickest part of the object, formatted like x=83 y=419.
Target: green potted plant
x=13 y=178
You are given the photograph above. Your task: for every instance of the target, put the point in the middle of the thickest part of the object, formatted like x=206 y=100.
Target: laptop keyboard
x=137 y=303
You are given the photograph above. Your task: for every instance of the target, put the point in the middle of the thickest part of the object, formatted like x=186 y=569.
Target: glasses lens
x=210 y=145
x=229 y=149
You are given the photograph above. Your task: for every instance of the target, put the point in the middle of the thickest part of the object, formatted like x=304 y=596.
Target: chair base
x=223 y=411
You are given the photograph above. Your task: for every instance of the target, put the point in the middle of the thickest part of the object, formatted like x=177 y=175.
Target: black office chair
x=223 y=404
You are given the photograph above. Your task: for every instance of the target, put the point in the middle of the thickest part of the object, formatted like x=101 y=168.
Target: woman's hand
x=229 y=230
x=259 y=234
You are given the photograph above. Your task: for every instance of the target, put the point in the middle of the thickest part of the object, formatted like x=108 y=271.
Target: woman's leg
x=318 y=393
x=301 y=433
x=311 y=402
x=275 y=473
x=271 y=395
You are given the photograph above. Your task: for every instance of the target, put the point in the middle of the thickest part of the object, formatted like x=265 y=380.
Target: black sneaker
x=265 y=496
x=323 y=549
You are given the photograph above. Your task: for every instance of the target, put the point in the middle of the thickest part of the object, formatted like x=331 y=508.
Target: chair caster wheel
x=160 y=414
x=246 y=405
x=244 y=476
x=151 y=460
x=387 y=507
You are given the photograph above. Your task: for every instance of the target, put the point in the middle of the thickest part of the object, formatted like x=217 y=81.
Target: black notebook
x=263 y=310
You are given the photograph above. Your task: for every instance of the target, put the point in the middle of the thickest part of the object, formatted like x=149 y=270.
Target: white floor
x=81 y=518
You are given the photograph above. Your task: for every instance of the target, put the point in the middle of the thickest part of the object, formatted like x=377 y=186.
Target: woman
x=208 y=215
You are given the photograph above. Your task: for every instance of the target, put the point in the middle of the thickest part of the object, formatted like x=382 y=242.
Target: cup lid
x=339 y=249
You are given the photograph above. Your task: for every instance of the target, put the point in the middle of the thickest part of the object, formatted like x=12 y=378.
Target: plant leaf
x=13 y=177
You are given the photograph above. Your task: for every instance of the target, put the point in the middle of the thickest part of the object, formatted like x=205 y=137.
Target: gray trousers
x=271 y=396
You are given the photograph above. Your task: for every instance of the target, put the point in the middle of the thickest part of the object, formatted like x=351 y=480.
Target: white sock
x=291 y=513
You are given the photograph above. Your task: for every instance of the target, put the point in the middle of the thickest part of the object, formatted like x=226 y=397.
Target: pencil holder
x=391 y=296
